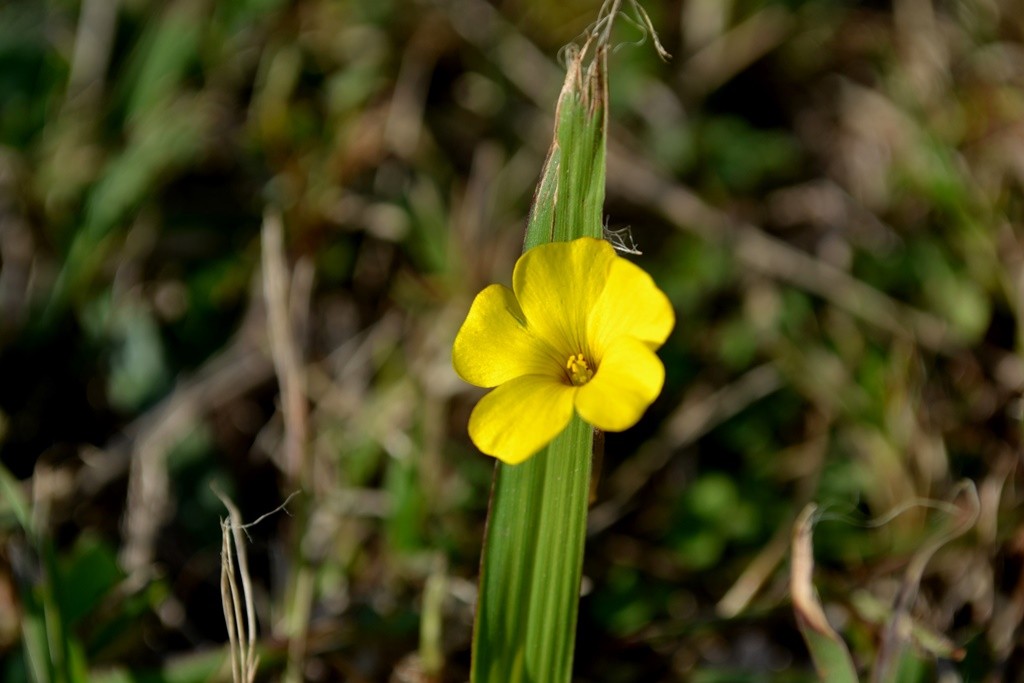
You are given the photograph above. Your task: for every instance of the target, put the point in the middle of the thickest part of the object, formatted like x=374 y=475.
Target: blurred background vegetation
x=829 y=191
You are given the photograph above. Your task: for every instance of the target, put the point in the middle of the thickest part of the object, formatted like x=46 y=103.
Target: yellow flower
x=577 y=331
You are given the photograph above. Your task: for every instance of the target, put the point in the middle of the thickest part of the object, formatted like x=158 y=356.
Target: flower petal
x=630 y=305
x=626 y=383
x=557 y=284
x=520 y=417
x=494 y=346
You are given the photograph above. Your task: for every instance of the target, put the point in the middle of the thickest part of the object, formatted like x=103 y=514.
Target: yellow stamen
x=579 y=370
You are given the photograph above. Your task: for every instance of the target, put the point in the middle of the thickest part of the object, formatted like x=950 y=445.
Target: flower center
x=579 y=370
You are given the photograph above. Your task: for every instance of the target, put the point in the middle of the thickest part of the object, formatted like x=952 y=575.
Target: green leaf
x=569 y=201
x=51 y=652
x=200 y=667
x=924 y=638
x=533 y=550
x=530 y=574
x=87 y=574
x=11 y=497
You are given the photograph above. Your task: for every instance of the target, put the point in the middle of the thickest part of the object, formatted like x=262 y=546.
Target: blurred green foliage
x=830 y=193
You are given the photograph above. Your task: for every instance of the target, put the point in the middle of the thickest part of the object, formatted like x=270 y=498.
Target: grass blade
x=533 y=550
x=569 y=201
x=831 y=657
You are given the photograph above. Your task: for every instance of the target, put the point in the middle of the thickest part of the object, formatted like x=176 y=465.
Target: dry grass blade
x=735 y=50
x=763 y=566
x=831 y=657
x=239 y=611
x=754 y=576
x=284 y=348
x=93 y=47
x=282 y=299
x=925 y=639
x=899 y=629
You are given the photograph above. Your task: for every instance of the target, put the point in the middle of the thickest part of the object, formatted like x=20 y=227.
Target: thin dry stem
x=239 y=610
x=94 y=39
x=282 y=304
x=760 y=570
x=284 y=350
x=897 y=630
x=600 y=32
x=801 y=584
x=736 y=49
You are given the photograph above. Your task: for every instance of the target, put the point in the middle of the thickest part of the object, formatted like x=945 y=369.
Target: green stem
x=532 y=564
x=532 y=559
